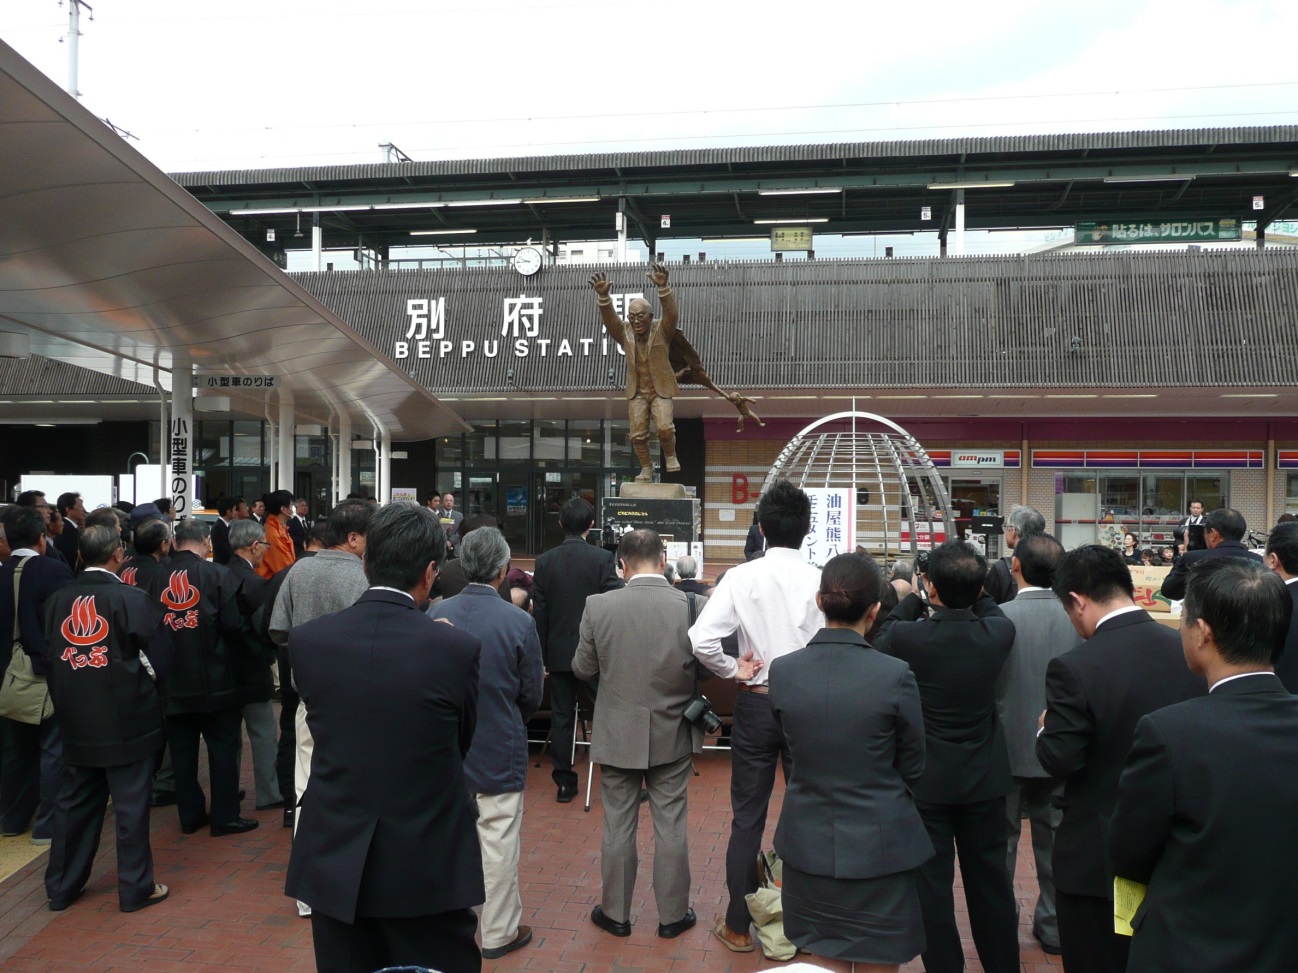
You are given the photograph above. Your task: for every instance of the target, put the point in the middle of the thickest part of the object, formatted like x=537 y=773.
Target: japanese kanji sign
x=1171 y=231
x=208 y=380
x=833 y=524
x=791 y=238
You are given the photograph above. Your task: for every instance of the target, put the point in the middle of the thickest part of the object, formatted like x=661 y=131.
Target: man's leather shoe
x=160 y=892
x=736 y=942
x=518 y=942
x=610 y=926
x=1046 y=947
x=237 y=826
x=58 y=905
x=162 y=799
x=566 y=793
x=200 y=823
x=671 y=930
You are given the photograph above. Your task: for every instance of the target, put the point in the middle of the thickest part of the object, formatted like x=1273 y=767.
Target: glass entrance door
x=552 y=489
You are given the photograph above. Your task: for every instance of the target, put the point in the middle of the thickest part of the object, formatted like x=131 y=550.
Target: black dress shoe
x=671 y=930
x=162 y=799
x=566 y=793
x=242 y=794
x=200 y=823
x=610 y=926
x=237 y=826
x=58 y=905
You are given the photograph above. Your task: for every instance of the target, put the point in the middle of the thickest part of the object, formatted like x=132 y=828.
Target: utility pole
x=74 y=32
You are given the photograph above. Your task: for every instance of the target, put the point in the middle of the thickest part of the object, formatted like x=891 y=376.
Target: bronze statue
x=657 y=355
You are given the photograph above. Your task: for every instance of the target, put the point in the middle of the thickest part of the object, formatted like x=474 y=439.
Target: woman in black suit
x=849 y=834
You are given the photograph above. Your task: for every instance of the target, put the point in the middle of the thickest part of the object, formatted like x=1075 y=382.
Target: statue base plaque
x=631 y=490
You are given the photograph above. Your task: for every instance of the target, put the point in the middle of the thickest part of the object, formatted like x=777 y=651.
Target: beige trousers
x=500 y=823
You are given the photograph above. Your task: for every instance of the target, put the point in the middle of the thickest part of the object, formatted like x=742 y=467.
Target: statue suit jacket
x=660 y=365
x=1095 y=695
x=564 y=578
x=386 y=828
x=853 y=722
x=1207 y=817
x=637 y=641
x=1041 y=632
x=957 y=656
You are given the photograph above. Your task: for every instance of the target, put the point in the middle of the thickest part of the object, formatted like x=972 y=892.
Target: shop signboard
x=409 y=494
x=990 y=458
x=1169 y=231
x=833 y=524
x=219 y=380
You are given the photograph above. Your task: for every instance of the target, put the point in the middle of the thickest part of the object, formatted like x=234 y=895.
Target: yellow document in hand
x=1127 y=896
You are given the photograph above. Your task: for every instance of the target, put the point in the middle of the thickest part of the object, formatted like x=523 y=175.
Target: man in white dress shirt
x=771 y=604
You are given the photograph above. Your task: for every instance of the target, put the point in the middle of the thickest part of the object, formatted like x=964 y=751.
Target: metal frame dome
x=897 y=486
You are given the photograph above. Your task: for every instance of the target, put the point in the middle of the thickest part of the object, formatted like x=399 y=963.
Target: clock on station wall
x=527 y=261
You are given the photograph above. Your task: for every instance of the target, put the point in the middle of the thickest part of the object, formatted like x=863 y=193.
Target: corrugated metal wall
x=1225 y=318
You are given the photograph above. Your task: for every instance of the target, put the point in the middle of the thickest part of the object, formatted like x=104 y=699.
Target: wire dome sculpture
x=901 y=503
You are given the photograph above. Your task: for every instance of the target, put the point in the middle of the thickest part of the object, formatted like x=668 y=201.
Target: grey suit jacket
x=853 y=721
x=1041 y=632
x=636 y=640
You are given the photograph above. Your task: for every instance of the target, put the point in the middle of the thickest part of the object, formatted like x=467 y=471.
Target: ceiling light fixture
x=438 y=232
x=970 y=185
x=485 y=202
x=1163 y=177
x=1249 y=395
x=796 y=219
x=564 y=199
x=809 y=191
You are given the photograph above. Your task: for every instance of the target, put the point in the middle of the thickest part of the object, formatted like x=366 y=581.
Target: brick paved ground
x=227 y=910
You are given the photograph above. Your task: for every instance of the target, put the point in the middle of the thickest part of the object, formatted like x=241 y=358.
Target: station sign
x=217 y=380
x=791 y=238
x=1170 y=231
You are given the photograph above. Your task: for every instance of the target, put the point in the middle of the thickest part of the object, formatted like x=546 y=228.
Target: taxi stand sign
x=214 y=380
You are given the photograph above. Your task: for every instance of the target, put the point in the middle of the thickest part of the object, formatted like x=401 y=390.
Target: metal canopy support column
x=287 y=441
x=959 y=222
x=620 y=226
x=317 y=243
x=180 y=437
x=344 y=455
x=385 y=468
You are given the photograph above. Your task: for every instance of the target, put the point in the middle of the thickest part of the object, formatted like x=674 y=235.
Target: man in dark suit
x=564 y=578
x=1223 y=532
x=1207 y=811
x=73 y=511
x=957 y=656
x=33 y=753
x=228 y=511
x=1282 y=558
x=636 y=641
x=450 y=579
x=298 y=525
x=386 y=852
x=1129 y=666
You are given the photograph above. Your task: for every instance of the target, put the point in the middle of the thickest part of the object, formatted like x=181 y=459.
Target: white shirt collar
x=1238 y=675
x=1028 y=587
x=1116 y=613
x=111 y=574
x=24 y=552
x=1291 y=580
x=380 y=587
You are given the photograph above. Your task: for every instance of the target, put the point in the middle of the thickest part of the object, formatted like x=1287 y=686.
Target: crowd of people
x=917 y=720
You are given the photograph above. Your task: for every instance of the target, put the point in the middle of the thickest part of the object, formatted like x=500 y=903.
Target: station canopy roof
x=107 y=264
x=1028 y=181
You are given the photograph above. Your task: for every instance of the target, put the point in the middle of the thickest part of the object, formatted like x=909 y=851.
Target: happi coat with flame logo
x=140 y=570
x=104 y=699
x=202 y=621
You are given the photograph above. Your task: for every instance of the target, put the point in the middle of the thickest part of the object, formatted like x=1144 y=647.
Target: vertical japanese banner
x=833 y=524
x=180 y=479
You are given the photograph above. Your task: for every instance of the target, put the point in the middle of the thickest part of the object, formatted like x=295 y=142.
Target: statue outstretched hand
x=601 y=284
x=658 y=275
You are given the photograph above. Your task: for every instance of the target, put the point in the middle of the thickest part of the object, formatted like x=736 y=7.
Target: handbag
x=24 y=697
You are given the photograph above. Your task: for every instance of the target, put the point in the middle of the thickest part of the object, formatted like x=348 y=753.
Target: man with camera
x=635 y=640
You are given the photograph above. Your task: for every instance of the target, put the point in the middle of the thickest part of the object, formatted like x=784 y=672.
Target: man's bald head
x=640 y=315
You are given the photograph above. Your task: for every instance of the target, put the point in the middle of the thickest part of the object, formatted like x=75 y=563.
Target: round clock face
x=527 y=261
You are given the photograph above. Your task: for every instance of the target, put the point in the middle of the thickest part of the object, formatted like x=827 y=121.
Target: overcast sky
x=240 y=84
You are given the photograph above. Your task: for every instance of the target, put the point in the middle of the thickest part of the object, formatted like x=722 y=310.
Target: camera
x=921 y=562
x=699 y=712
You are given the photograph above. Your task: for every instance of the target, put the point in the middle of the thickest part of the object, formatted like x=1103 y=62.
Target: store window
x=1100 y=507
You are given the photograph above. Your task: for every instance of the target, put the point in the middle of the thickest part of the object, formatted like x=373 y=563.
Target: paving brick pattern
x=228 y=912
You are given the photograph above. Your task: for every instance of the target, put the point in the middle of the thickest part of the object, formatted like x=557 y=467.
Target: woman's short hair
x=850 y=584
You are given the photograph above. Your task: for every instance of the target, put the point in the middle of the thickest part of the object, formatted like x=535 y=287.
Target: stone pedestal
x=631 y=490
